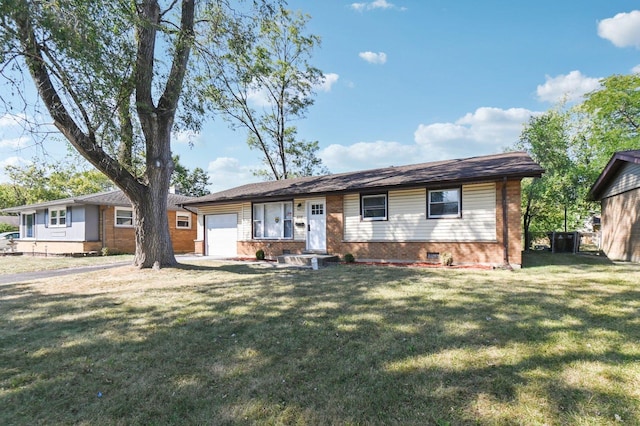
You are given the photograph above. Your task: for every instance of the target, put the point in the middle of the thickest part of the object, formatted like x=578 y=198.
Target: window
x=58 y=217
x=273 y=220
x=183 y=220
x=374 y=207
x=444 y=203
x=124 y=217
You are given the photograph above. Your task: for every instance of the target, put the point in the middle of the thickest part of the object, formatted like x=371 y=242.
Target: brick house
x=89 y=223
x=618 y=190
x=467 y=207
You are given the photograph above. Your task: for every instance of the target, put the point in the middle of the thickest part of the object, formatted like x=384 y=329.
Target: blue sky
x=411 y=81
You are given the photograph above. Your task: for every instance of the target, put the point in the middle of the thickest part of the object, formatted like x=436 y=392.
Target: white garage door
x=222 y=234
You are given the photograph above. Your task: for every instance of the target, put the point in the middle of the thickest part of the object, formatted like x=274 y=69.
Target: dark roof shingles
x=511 y=164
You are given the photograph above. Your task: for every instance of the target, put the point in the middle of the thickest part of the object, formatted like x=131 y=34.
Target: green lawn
x=19 y=264
x=215 y=343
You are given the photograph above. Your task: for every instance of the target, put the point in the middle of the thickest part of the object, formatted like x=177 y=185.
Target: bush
x=446 y=259
x=5 y=227
x=349 y=258
x=105 y=251
x=260 y=254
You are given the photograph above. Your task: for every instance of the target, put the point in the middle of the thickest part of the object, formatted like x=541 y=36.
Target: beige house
x=618 y=190
x=467 y=207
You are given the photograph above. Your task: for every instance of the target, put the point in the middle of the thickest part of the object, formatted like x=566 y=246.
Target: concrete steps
x=307 y=259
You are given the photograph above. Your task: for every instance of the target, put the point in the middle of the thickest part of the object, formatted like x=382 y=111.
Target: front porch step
x=305 y=259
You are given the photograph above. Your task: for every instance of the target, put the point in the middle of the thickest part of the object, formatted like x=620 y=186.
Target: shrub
x=260 y=254
x=446 y=259
x=105 y=251
x=349 y=258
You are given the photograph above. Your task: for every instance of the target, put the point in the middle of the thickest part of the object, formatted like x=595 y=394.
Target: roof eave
x=438 y=183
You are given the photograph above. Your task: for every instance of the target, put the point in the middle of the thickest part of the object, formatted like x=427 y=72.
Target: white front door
x=222 y=234
x=316 y=225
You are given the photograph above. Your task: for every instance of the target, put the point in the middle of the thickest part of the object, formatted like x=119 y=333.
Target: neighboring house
x=468 y=207
x=90 y=223
x=618 y=190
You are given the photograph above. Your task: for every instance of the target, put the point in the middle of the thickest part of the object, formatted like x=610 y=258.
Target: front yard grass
x=215 y=343
x=19 y=264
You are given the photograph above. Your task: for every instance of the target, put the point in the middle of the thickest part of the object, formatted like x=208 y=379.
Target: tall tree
x=91 y=60
x=268 y=84
x=552 y=202
x=614 y=116
x=111 y=75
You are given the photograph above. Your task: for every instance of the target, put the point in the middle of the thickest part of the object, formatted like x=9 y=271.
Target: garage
x=222 y=234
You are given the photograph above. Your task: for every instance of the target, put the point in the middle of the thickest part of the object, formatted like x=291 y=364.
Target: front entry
x=316 y=226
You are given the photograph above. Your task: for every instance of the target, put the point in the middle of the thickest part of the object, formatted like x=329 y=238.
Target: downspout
x=103 y=221
x=505 y=225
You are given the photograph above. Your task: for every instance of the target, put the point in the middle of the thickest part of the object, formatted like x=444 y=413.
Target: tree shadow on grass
x=361 y=345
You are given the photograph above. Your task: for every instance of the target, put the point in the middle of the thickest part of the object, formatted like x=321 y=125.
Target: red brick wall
x=123 y=239
x=272 y=249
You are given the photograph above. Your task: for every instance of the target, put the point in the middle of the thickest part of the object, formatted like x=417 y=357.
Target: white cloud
x=327 y=82
x=13 y=120
x=482 y=132
x=226 y=172
x=374 y=58
x=622 y=30
x=185 y=137
x=10 y=161
x=376 y=4
x=485 y=131
x=570 y=87
x=636 y=69
x=366 y=155
x=15 y=143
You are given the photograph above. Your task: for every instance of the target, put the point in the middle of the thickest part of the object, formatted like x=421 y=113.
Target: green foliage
x=573 y=146
x=5 y=227
x=192 y=183
x=446 y=259
x=40 y=181
x=260 y=254
x=349 y=258
x=263 y=82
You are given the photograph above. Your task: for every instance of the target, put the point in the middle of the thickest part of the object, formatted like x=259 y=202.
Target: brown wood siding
x=621 y=226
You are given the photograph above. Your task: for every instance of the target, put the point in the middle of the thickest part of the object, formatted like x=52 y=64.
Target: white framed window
x=273 y=220
x=124 y=217
x=444 y=203
x=183 y=220
x=374 y=206
x=58 y=217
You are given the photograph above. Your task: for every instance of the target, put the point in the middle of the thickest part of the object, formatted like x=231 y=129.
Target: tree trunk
x=153 y=241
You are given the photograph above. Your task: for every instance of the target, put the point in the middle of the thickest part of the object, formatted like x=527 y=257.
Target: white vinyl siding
x=226 y=209
x=628 y=178
x=407 y=218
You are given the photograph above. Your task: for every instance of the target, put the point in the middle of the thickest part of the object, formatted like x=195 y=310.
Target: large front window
x=58 y=217
x=444 y=203
x=273 y=220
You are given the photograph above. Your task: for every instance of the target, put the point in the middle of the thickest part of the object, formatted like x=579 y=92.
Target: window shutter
x=68 y=217
x=46 y=218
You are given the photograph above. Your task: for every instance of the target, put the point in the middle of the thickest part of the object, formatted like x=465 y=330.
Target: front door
x=316 y=226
